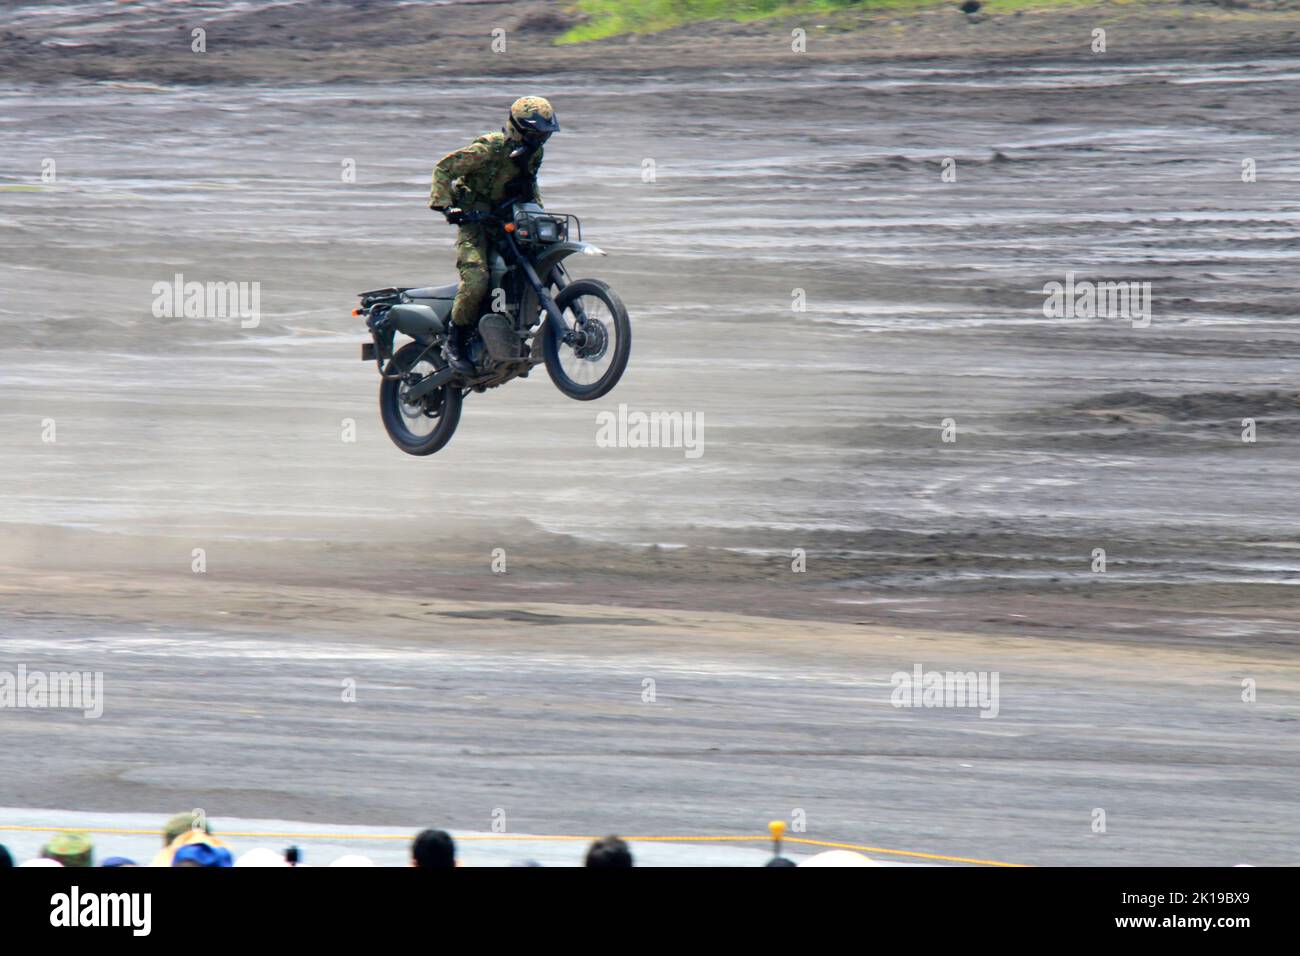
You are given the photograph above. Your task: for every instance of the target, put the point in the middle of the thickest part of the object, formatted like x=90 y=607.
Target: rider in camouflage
x=495 y=167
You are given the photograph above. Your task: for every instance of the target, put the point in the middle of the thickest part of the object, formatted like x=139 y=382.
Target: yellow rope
x=526 y=839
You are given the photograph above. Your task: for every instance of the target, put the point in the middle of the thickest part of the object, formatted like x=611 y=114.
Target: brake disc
x=595 y=341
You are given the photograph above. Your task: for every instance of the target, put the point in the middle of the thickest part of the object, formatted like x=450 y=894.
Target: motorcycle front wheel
x=587 y=357
x=423 y=426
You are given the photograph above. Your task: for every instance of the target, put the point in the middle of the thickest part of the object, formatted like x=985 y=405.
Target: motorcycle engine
x=478 y=353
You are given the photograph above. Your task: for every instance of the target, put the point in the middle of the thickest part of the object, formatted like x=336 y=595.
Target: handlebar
x=500 y=215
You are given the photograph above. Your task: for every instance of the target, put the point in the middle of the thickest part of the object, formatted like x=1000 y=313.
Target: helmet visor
x=535 y=129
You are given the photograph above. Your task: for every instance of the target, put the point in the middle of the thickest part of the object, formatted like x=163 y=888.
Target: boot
x=453 y=350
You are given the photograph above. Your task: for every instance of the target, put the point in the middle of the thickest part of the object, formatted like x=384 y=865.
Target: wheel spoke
x=587 y=360
x=413 y=415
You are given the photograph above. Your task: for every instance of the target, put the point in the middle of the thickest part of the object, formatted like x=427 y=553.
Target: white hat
x=41 y=861
x=261 y=856
x=353 y=859
x=840 y=858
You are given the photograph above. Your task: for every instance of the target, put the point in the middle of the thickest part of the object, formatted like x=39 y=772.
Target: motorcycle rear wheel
x=423 y=427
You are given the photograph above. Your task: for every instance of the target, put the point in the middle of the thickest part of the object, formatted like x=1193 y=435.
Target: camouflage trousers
x=471 y=263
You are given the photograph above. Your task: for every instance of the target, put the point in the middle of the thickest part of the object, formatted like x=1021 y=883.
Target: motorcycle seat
x=434 y=292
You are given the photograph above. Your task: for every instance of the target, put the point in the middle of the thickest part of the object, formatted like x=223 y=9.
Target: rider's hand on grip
x=454 y=215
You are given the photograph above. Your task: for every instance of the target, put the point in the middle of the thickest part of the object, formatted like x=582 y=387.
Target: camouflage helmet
x=533 y=120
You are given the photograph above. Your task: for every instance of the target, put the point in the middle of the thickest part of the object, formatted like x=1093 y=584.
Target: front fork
x=561 y=279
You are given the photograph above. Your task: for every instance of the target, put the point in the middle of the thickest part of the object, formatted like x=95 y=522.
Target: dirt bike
x=578 y=327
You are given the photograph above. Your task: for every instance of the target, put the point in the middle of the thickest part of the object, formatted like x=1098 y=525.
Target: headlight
x=548 y=230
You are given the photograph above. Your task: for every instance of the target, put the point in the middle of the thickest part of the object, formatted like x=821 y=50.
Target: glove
x=455 y=216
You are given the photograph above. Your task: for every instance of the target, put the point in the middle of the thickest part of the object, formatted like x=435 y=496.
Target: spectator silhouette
x=610 y=853
x=433 y=850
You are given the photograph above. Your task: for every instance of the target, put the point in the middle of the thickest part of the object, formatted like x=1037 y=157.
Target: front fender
x=552 y=255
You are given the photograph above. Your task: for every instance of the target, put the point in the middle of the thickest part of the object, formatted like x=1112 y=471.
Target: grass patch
x=1011 y=6
x=608 y=18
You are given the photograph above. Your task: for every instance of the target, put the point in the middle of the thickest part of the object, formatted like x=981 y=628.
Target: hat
x=188 y=838
x=353 y=859
x=70 y=849
x=181 y=822
x=41 y=861
x=261 y=856
x=202 y=854
x=119 y=861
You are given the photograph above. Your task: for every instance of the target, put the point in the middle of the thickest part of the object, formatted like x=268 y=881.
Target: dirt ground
x=324 y=42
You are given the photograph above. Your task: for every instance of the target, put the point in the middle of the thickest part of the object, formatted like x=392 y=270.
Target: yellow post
x=777 y=829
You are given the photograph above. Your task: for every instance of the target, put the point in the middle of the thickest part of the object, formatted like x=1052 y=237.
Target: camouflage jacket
x=482 y=174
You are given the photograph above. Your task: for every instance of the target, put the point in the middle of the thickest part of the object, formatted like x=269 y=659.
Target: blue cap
x=202 y=855
x=119 y=861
